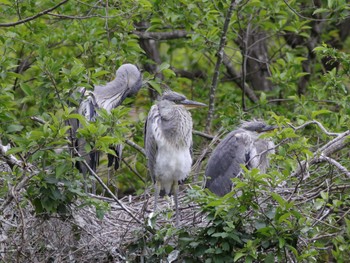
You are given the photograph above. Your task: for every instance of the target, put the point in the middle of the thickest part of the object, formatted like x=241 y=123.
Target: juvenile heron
x=241 y=146
x=168 y=143
x=127 y=83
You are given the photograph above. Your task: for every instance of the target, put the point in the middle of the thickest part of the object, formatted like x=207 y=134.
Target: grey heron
x=127 y=83
x=241 y=146
x=168 y=143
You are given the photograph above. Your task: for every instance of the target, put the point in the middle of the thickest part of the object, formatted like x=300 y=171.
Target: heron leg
x=176 y=193
x=156 y=194
x=85 y=182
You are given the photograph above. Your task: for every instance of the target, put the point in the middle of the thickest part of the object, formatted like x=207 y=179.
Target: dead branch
x=23 y=180
x=335 y=145
x=203 y=134
x=334 y=163
x=162 y=35
x=105 y=187
x=314 y=122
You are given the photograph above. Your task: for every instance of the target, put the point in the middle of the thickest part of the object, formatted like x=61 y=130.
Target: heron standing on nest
x=241 y=146
x=168 y=144
x=127 y=83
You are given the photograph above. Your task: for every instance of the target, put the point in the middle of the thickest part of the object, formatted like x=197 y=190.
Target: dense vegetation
x=284 y=61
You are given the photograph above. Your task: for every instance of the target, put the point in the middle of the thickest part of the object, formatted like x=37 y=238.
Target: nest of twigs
x=82 y=236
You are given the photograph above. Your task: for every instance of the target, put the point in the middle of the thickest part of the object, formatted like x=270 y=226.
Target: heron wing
x=149 y=139
x=87 y=108
x=225 y=162
x=128 y=82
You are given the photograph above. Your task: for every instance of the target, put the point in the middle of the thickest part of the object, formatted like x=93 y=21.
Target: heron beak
x=191 y=104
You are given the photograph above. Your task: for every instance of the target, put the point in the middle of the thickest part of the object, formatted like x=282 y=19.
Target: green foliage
x=82 y=43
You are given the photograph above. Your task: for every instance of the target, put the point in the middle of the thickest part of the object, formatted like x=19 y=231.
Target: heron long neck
x=109 y=96
x=177 y=126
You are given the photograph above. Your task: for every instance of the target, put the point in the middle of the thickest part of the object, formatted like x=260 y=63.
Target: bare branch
x=23 y=180
x=322 y=153
x=81 y=17
x=220 y=55
x=10 y=159
x=33 y=17
x=162 y=35
x=317 y=123
x=37 y=119
x=334 y=163
x=135 y=146
x=203 y=134
x=105 y=187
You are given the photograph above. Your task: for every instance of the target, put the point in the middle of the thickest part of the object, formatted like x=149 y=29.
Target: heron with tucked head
x=242 y=146
x=168 y=144
x=127 y=83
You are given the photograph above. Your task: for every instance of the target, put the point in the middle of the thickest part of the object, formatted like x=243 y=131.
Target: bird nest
x=82 y=236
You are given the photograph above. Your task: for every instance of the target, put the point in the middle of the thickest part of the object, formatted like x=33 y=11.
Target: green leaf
x=100 y=73
x=156 y=86
x=15 y=150
x=169 y=73
x=222 y=235
x=281 y=242
x=238 y=256
x=14 y=128
x=318 y=112
x=163 y=66
x=77 y=116
x=270 y=258
x=26 y=89
x=279 y=199
x=320 y=10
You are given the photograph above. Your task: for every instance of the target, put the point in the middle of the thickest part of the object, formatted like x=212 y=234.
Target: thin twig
x=134 y=171
x=300 y=15
x=92 y=172
x=220 y=55
x=314 y=122
x=203 y=134
x=135 y=146
x=33 y=17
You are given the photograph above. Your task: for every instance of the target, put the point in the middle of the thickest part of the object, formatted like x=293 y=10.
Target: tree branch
x=334 y=163
x=33 y=17
x=235 y=78
x=203 y=134
x=125 y=208
x=162 y=35
x=220 y=55
x=335 y=145
x=12 y=161
x=318 y=124
x=135 y=146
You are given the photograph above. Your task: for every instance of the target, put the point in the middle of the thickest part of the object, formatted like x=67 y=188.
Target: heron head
x=130 y=75
x=257 y=126
x=179 y=99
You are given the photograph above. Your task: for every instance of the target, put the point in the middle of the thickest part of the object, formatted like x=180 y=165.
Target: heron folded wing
x=149 y=140
x=225 y=163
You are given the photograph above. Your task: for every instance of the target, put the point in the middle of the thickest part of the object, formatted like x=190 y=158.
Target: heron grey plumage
x=168 y=143
x=241 y=146
x=127 y=83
